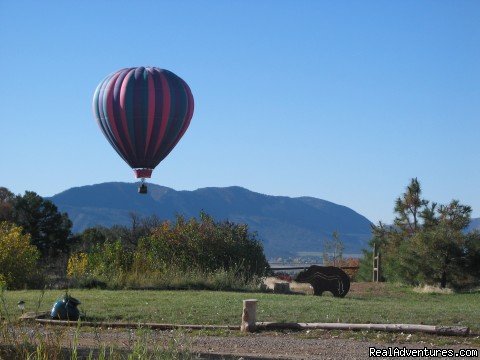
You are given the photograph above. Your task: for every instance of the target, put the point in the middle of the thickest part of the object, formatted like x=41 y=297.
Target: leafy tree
x=18 y=257
x=333 y=250
x=89 y=238
x=128 y=236
x=49 y=229
x=139 y=228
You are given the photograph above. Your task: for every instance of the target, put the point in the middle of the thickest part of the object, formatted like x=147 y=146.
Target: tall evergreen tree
x=427 y=243
x=409 y=208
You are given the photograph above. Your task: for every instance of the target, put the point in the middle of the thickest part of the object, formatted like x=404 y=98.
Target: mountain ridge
x=474 y=224
x=285 y=225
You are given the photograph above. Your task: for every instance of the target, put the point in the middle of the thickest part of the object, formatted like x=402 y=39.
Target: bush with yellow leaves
x=18 y=257
x=77 y=266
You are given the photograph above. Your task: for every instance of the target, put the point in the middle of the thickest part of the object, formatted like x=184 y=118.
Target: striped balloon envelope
x=143 y=112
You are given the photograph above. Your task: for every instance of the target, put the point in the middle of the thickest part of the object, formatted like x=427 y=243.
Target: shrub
x=77 y=265
x=202 y=244
x=18 y=258
x=3 y=282
x=195 y=253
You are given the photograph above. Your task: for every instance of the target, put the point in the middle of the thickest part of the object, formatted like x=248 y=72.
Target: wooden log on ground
x=249 y=315
x=32 y=315
x=114 y=325
x=430 y=329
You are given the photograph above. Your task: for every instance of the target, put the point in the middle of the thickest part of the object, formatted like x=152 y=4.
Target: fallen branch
x=429 y=329
x=135 y=325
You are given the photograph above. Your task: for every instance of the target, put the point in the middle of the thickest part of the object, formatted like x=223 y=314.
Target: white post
x=249 y=315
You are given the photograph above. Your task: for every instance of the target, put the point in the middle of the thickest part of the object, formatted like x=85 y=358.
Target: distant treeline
x=38 y=249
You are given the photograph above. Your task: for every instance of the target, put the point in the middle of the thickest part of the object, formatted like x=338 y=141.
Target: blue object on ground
x=66 y=309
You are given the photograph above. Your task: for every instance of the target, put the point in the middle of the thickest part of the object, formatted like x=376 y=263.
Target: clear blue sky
x=341 y=100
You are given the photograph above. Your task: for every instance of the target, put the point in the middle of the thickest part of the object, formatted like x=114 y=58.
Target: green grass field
x=388 y=304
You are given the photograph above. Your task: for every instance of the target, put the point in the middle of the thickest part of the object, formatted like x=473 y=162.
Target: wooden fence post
x=376 y=264
x=249 y=315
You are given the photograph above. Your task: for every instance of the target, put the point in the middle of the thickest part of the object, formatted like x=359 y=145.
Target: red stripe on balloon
x=151 y=109
x=123 y=111
x=110 y=114
x=138 y=115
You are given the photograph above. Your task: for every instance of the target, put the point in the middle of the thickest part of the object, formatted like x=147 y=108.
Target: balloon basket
x=142 y=189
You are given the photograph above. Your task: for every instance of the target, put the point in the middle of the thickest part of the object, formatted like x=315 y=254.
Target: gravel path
x=289 y=346
x=283 y=347
x=252 y=346
x=234 y=345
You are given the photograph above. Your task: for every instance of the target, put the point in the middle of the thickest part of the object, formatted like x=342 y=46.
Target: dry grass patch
x=428 y=289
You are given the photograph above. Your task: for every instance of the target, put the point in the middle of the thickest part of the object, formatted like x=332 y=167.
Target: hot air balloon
x=143 y=112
